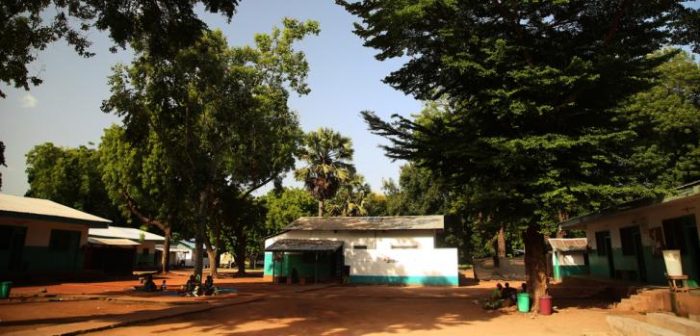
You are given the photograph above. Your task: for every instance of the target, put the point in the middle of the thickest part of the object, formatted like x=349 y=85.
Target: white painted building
x=395 y=250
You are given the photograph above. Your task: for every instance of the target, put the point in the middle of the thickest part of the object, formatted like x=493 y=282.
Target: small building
x=626 y=241
x=368 y=250
x=180 y=254
x=569 y=257
x=116 y=249
x=42 y=236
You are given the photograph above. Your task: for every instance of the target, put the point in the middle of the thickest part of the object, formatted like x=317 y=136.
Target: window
x=145 y=251
x=359 y=247
x=627 y=236
x=64 y=240
x=600 y=246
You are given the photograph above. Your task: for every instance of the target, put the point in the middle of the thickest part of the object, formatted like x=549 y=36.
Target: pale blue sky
x=344 y=79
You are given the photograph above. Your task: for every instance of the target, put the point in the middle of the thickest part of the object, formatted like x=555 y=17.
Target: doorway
x=681 y=233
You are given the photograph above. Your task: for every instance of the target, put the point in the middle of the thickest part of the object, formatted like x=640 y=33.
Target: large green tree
x=532 y=88
x=328 y=157
x=70 y=176
x=138 y=181
x=220 y=116
x=351 y=199
x=29 y=26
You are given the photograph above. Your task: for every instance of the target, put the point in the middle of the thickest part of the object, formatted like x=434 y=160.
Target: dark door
x=608 y=249
x=16 y=247
x=639 y=254
x=682 y=234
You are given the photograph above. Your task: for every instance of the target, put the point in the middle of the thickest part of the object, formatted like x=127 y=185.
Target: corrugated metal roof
x=304 y=245
x=16 y=206
x=175 y=248
x=368 y=223
x=124 y=232
x=568 y=244
x=112 y=241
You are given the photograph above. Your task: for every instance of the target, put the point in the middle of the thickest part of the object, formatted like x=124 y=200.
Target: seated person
x=509 y=295
x=150 y=286
x=190 y=286
x=208 y=287
x=495 y=300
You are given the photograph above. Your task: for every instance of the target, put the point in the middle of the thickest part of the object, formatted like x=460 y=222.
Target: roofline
x=96 y=224
x=634 y=205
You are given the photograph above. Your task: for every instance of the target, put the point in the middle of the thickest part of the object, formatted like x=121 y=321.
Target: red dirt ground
x=375 y=311
x=339 y=310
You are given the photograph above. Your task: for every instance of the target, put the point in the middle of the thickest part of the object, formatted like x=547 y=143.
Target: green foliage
x=351 y=198
x=219 y=117
x=286 y=206
x=163 y=27
x=666 y=119
x=70 y=176
x=328 y=156
x=418 y=193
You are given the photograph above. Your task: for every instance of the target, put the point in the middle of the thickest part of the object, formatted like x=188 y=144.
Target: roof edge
x=67 y=220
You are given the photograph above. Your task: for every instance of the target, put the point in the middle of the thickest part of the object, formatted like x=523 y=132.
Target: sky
x=344 y=78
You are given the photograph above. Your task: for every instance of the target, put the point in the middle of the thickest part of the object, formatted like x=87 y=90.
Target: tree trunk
x=211 y=254
x=198 y=255
x=240 y=250
x=535 y=265
x=320 y=208
x=165 y=259
x=501 y=242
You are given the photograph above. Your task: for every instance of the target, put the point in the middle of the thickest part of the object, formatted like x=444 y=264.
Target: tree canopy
x=29 y=26
x=328 y=156
x=219 y=114
x=70 y=176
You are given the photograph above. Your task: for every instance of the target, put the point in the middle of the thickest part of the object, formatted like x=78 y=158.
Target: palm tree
x=328 y=156
x=351 y=198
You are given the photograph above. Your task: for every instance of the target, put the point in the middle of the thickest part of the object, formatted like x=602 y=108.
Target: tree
x=328 y=156
x=2 y=160
x=351 y=198
x=69 y=176
x=163 y=27
x=138 y=180
x=532 y=87
x=666 y=119
x=418 y=193
x=220 y=116
x=286 y=206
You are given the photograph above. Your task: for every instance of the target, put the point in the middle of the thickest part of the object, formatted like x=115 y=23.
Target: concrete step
x=627 y=326
x=680 y=325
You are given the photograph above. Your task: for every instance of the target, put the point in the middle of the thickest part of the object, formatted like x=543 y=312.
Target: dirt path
x=375 y=311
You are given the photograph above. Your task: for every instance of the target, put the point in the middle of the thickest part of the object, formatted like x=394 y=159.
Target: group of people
x=195 y=288
x=192 y=287
x=504 y=296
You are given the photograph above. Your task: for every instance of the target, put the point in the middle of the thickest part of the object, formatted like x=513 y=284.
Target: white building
x=374 y=250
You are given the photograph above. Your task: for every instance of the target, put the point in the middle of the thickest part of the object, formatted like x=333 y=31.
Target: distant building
x=626 y=241
x=371 y=250
x=41 y=236
x=116 y=249
x=569 y=257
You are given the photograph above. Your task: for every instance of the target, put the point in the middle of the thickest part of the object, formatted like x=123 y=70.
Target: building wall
x=387 y=258
x=648 y=219
x=146 y=260
x=36 y=254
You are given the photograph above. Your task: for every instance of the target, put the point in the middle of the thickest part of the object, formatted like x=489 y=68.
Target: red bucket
x=546 y=305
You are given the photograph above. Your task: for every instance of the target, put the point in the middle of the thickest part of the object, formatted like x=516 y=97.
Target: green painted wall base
x=405 y=280
x=566 y=271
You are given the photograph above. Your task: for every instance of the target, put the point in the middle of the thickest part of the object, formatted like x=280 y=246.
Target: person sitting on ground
x=509 y=295
x=495 y=301
x=190 y=286
x=523 y=288
x=208 y=287
x=163 y=286
x=150 y=286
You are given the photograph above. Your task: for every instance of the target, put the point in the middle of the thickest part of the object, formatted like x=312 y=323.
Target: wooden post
x=316 y=268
